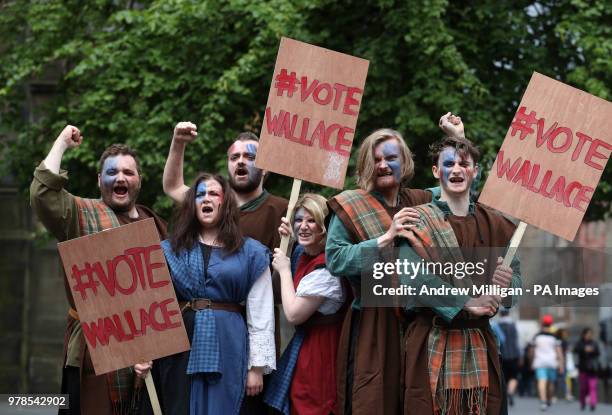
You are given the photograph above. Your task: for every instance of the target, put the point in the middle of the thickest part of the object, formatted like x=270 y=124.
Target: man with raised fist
x=67 y=216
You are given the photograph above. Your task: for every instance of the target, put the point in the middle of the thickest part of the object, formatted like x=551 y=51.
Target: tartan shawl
x=187 y=266
x=367 y=214
x=457 y=358
x=123 y=387
x=279 y=388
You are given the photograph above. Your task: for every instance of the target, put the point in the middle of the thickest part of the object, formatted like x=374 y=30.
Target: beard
x=254 y=179
x=120 y=206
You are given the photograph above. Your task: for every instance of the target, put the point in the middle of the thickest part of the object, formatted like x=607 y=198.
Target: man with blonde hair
x=371 y=217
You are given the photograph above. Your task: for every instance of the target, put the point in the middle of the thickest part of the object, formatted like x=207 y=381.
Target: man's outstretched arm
x=173 y=181
x=52 y=203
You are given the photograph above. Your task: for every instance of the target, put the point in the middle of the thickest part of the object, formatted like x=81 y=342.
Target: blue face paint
x=447 y=162
x=254 y=172
x=393 y=158
x=109 y=172
x=297 y=220
x=200 y=194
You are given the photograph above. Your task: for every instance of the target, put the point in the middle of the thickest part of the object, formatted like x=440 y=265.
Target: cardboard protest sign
x=124 y=296
x=552 y=158
x=311 y=114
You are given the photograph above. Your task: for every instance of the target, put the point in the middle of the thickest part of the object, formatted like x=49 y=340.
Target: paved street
x=530 y=406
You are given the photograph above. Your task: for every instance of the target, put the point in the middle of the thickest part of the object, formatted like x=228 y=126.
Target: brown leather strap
x=456 y=323
x=204 y=303
x=73 y=313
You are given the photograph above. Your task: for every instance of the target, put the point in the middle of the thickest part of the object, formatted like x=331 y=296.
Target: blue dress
x=218 y=361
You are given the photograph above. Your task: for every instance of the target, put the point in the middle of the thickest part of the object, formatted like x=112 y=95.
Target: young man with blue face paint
x=68 y=216
x=446 y=345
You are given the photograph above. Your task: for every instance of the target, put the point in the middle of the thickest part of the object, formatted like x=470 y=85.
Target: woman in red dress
x=314 y=301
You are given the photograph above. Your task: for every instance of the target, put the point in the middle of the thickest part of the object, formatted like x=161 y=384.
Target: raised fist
x=452 y=125
x=185 y=132
x=70 y=137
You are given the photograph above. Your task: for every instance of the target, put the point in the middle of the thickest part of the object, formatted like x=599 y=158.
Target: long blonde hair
x=365 y=160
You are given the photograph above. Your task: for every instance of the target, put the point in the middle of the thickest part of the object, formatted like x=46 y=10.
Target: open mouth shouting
x=242 y=172
x=120 y=191
x=456 y=179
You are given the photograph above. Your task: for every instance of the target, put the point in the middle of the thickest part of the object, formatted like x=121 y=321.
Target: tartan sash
x=370 y=220
x=205 y=355
x=123 y=387
x=457 y=358
x=367 y=214
x=279 y=388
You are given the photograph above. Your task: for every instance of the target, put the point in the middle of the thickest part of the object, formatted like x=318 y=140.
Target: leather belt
x=456 y=323
x=205 y=303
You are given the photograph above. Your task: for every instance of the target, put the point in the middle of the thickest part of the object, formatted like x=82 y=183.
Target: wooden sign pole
x=152 y=394
x=514 y=243
x=295 y=193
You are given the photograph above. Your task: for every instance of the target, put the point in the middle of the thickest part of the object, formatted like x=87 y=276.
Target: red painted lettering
x=305 y=90
x=592 y=152
x=111 y=330
x=503 y=167
x=523 y=173
x=544 y=137
x=136 y=253
x=122 y=334
x=167 y=314
x=583 y=197
x=150 y=266
x=81 y=286
x=568 y=193
x=563 y=147
x=339 y=91
x=273 y=123
x=109 y=281
x=558 y=189
x=144 y=321
x=328 y=94
x=343 y=145
x=134 y=281
x=581 y=140
x=351 y=101
x=94 y=332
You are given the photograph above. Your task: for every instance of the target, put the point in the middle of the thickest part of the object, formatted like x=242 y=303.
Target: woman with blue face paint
x=222 y=277
x=314 y=301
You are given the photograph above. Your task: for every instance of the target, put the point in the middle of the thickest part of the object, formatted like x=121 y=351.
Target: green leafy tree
x=128 y=71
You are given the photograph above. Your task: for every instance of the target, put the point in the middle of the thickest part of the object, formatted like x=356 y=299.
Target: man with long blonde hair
x=371 y=217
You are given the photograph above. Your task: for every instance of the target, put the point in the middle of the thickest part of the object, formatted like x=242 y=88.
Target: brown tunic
x=262 y=223
x=377 y=356
x=483 y=229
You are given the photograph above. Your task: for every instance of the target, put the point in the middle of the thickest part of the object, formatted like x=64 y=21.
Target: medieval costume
x=67 y=217
x=369 y=351
x=211 y=378
x=305 y=382
x=261 y=217
x=451 y=358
